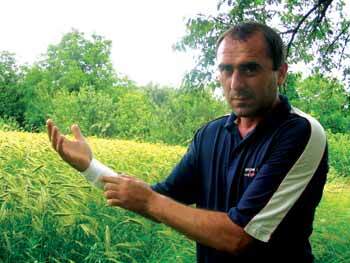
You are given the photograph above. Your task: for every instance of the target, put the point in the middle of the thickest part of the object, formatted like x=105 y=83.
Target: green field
x=49 y=213
x=331 y=236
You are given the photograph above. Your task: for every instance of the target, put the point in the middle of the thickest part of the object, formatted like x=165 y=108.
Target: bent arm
x=210 y=228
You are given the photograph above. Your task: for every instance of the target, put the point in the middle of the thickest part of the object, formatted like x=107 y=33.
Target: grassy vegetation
x=331 y=236
x=49 y=213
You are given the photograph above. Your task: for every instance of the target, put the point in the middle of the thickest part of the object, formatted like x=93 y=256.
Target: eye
x=249 y=69
x=226 y=69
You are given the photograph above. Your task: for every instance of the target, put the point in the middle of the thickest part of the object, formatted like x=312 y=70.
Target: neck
x=247 y=124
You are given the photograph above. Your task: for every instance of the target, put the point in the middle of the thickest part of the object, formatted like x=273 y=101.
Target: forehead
x=232 y=51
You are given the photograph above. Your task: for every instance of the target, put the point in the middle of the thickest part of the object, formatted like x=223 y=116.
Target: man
x=255 y=176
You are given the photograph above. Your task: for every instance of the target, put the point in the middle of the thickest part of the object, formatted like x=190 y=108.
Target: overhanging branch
x=294 y=31
x=337 y=38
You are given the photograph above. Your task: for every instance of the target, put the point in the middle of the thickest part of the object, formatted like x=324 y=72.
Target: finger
x=111 y=194
x=58 y=139
x=77 y=133
x=126 y=176
x=111 y=179
x=49 y=125
x=111 y=186
x=114 y=202
x=54 y=137
x=59 y=147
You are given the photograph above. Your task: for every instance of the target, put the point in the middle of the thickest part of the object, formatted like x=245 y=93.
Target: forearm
x=210 y=228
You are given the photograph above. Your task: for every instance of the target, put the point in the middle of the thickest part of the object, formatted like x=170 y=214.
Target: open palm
x=76 y=153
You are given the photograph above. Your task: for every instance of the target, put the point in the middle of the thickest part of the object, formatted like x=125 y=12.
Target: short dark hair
x=275 y=47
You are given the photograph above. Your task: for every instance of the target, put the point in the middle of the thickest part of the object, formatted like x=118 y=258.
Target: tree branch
x=220 y=20
x=342 y=52
x=336 y=38
x=322 y=14
x=296 y=29
x=287 y=32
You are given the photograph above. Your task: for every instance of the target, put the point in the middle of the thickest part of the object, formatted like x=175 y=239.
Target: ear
x=282 y=74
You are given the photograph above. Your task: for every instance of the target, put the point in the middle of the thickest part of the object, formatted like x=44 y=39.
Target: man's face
x=245 y=72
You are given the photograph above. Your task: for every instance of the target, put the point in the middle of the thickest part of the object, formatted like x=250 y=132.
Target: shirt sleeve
x=293 y=161
x=181 y=184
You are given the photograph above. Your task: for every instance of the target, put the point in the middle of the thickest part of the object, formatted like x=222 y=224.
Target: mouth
x=241 y=98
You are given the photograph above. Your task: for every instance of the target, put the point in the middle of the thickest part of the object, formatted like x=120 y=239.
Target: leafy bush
x=94 y=111
x=38 y=104
x=134 y=113
x=9 y=124
x=173 y=117
x=339 y=153
x=11 y=104
x=326 y=100
x=179 y=114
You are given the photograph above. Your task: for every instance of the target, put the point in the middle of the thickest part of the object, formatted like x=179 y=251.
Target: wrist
x=155 y=205
x=94 y=172
x=85 y=165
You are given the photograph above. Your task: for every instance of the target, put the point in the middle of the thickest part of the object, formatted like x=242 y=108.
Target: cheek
x=225 y=85
x=269 y=92
x=226 y=92
x=223 y=81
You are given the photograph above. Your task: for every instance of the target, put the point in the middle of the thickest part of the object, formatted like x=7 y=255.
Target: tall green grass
x=49 y=213
x=331 y=236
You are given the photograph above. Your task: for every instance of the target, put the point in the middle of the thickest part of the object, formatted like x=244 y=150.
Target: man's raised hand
x=76 y=153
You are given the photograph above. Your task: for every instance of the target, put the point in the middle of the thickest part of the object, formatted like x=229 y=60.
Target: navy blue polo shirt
x=268 y=182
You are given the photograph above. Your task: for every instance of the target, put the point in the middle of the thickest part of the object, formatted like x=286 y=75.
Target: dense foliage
x=339 y=157
x=325 y=99
x=74 y=82
x=11 y=105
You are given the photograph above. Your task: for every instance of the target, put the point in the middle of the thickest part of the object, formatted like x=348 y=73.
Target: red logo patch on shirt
x=250 y=172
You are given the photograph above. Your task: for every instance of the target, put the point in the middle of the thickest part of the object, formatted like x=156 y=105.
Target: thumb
x=77 y=133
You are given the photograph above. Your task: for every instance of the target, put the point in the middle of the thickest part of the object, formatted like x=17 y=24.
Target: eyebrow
x=222 y=66
x=249 y=64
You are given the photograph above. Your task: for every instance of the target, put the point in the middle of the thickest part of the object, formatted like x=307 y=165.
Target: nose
x=236 y=80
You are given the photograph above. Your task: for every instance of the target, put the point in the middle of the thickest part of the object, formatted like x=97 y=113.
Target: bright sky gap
x=142 y=32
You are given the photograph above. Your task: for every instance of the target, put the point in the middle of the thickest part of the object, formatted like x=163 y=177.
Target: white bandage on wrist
x=94 y=172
